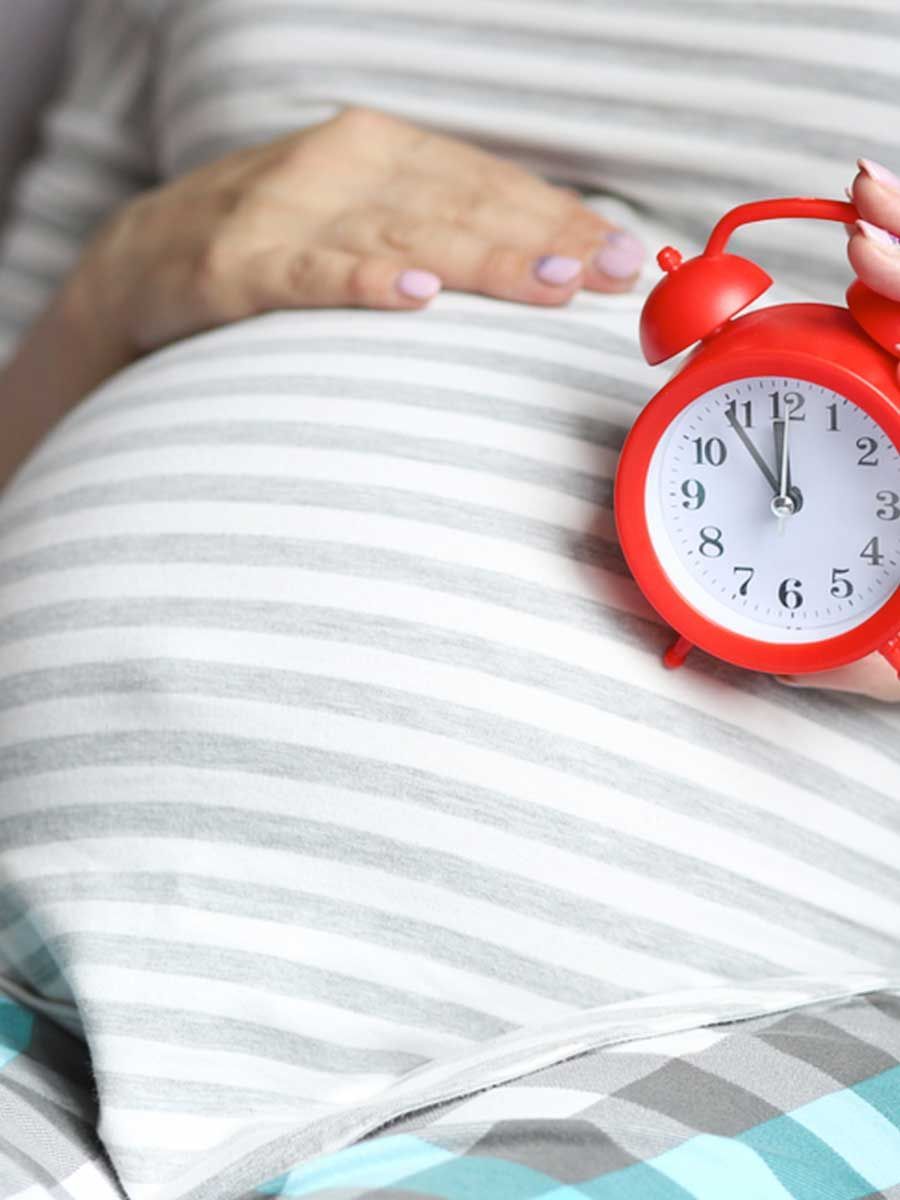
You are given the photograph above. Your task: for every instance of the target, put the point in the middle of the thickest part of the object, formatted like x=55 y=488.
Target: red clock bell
x=757 y=496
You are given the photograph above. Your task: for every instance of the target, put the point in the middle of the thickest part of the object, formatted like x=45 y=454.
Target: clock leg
x=677 y=653
x=891 y=651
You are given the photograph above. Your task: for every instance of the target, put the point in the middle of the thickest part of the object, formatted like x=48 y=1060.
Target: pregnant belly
x=335 y=729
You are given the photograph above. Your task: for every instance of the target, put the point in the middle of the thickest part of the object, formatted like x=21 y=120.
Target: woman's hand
x=874 y=253
x=874 y=247
x=362 y=210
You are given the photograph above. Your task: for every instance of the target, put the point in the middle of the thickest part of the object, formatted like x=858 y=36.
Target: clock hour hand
x=754 y=453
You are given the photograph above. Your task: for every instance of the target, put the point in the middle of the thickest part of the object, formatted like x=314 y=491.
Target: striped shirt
x=334 y=740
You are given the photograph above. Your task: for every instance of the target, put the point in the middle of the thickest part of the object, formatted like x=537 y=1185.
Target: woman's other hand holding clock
x=874 y=253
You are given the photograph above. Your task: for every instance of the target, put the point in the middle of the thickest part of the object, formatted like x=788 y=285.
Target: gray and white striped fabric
x=334 y=743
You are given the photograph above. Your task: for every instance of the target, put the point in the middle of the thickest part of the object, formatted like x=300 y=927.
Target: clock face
x=773 y=505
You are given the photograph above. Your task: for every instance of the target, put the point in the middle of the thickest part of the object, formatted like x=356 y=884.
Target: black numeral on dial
x=840 y=588
x=793 y=402
x=695 y=492
x=892 y=501
x=872 y=551
x=750 y=572
x=711 y=541
x=712 y=451
x=789 y=593
x=747 y=407
x=868 y=445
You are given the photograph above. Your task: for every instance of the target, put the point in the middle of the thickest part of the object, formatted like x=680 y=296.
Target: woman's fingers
x=874 y=247
x=326 y=278
x=506 y=204
x=463 y=260
x=612 y=258
x=876 y=194
x=877 y=263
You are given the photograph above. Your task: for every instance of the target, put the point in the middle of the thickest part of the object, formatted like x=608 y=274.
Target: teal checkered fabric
x=797 y=1106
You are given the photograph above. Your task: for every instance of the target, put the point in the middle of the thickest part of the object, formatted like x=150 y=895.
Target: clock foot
x=891 y=651
x=677 y=653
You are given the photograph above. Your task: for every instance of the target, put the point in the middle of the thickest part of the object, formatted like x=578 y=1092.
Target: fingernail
x=620 y=255
x=418 y=284
x=879 y=173
x=879 y=236
x=556 y=268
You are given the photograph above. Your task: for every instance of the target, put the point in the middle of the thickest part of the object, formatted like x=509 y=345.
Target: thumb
x=871 y=676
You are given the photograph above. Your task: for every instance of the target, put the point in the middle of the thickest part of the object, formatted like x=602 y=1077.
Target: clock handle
x=767 y=210
x=891 y=651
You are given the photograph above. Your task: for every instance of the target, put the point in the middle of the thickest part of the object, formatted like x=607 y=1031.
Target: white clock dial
x=782 y=544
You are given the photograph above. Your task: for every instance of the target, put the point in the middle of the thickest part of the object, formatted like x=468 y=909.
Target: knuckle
x=405 y=234
x=367 y=280
x=503 y=264
x=574 y=245
x=467 y=210
x=213 y=269
x=453 y=210
x=302 y=269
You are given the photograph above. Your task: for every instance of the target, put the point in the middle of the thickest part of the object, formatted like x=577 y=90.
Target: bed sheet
x=791 y=1104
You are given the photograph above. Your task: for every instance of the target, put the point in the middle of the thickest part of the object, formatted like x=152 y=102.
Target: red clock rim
x=634 y=533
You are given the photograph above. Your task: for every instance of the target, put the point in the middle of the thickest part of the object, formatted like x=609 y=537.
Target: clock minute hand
x=755 y=454
x=789 y=499
x=781 y=430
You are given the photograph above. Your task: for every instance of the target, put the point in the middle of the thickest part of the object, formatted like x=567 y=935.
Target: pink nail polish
x=879 y=173
x=556 y=268
x=881 y=237
x=420 y=285
x=620 y=255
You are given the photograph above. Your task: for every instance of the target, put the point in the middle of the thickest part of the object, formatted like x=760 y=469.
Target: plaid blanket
x=800 y=1104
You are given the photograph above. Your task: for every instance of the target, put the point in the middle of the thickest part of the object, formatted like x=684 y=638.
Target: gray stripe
x=389 y=502
x=180 y=1027
x=853 y=717
x=399 y=347
x=486 y=460
x=117 y=165
x=74 y=1138
x=15 y=270
x=29 y=1170
x=74 y=220
x=336 y=844
x=492 y=587
x=500 y=96
x=272 y=974
x=599 y=385
x=475 y=727
x=163 y=1095
x=852 y=17
x=448 y=37
x=326 y=914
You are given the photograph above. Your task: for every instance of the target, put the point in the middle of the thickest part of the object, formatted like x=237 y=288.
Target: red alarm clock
x=757 y=496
